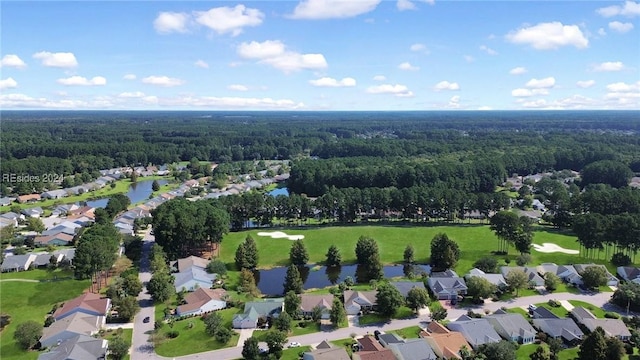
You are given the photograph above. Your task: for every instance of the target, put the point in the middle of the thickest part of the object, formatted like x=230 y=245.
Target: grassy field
x=402 y=312
x=475 y=241
x=31 y=301
x=410 y=332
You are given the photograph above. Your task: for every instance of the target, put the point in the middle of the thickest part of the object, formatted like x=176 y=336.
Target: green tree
x=247 y=254
x=298 y=254
x=594 y=277
x=627 y=296
x=502 y=350
x=217 y=266
x=161 y=287
x=368 y=259
x=212 y=322
x=118 y=347
x=444 y=252
x=439 y=314
x=488 y=264
x=27 y=334
x=517 y=280
x=615 y=349
x=417 y=298
x=408 y=255
x=480 y=288
x=240 y=258
x=555 y=346
x=155 y=186
x=551 y=281
x=250 y=349
x=292 y=303
x=283 y=322
x=337 y=314
x=609 y=172
x=223 y=335
x=388 y=299
x=541 y=353
x=293 y=281
x=248 y=283
x=127 y=307
x=131 y=285
x=276 y=340
x=35 y=224
x=594 y=346
x=333 y=256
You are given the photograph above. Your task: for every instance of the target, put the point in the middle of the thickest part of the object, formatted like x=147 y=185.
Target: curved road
x=142 y=349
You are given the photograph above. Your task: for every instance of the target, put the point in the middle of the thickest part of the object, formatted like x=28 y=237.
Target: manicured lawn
x=37 y=274
x=558 y=311
x=520 y=311
x=475 y=241
x=410 y=332
x=568 y=354
x=402 y=313
x=294 y=353
x=31 y=301
x=127 y=334
x=195 y=339
x=598 y=312
x=524 y=351
x=308 y=328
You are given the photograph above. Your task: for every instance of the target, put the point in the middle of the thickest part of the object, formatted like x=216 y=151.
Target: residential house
x=34 y=212
x=54 y=194
x=7 y=222
x=67 y=254
x=447 y=273
x=77 y=348
x=629 y=273
x=60 y=239
x=308 y=302
x=357 y=301
x=31 y=198
x=124 y=228
x=611 y=279
x=203 y=301
x=447 y=288
x=255 y=310
x=337 y=353
x=193 y=278
x=42 y=260
x=611 y=327
x=66 y=227
x=405 y=286
x=496 y=279
x=512 y=327
x=556 y=327
x=476 y=331
x=87 y=303
x=413 y=349
x=444 y=342
x=532 y=274
x=186 y=263
x=324 y=344
x=370 y=349
x=70 y=327
x=389 y=338
x=17 y=262
x=12 y=216
x=6 y=201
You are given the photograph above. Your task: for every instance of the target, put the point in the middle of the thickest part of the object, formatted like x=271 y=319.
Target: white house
x=203 y=301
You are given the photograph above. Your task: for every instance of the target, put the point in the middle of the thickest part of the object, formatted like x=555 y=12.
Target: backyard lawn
x=410 y=332
x=32 y=301
x=374 y=318
x=475 y=241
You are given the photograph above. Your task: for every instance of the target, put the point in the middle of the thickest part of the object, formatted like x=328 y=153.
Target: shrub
x=554 y=303
x=48 y=321
x=507 y=261
x=173 y=334
x=612 y=315
x=5 y=319
x=628 y=348
x=523 y=259
x=620 y=259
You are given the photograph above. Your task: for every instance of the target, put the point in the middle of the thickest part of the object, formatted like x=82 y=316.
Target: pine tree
x=408 y=255
x=293 y=281
x=338 y=313
x=298 y=253
x=333 y=256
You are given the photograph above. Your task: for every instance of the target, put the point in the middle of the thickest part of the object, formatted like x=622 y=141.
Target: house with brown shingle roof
x=28 y=198
x=203 y=301
x=71 y=326
x=370 y=349
x=60 y=239
x=309 y=302
x=444 y=342
x=356 y=301
x=87 y=303
x=338 y=353
x=185 y=264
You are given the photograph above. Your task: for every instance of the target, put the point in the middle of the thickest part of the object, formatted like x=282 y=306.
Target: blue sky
x=320 y=55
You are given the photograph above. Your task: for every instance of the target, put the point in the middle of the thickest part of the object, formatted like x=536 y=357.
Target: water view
x=279 y=191
x=138 y=191
x=270 y=282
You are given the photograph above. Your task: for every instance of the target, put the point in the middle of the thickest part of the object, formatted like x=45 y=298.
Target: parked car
x=294 y=344
x=146 y=320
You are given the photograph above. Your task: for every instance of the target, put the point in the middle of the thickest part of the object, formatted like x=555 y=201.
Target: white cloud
x=547 y=36
x=150 y=99
x=232 y=103
x=237 y=87
x=620 y=27
x=521 y=92
x=629 y=9
x=229 y=20
x=59 y=60
x=11 y=60
x=201 y=64
x=469 y=58
x=418 y=47
x=545 y=83
x=445 y=85
x=331 y=82
x=8 y=83
x=379 y=78
x=82 y=81
x=162 y=81
x=601 y=32
x=623 y=87
x=454 y=102
x=585 y=84
x=168 y=22
x=274 y=53
x=332 y=9
x=132 y=95
x=488 y=50
x=408 y=67
x=129 y=77
x=518 y=70
x=403 y=5
x=609 y=66
x=397 y=90
x=485 y=108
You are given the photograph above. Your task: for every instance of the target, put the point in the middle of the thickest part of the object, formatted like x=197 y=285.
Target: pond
x=279 y=191
x=270 y=282
x=138 y=191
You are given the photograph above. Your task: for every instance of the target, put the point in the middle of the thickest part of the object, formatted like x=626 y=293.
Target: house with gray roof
x=476 y=331
x=447 y=288
x=6 y=201
x=356 y=301
x=17 y=262
x=611 y=279
x=193 y=278
x=413 y=349
x=496 y=279
x=532 y=273
x=558 y=328
x=335 y=353
x=70 y=327
x=389 y=338
x=308 y=302
x=629 y=273
x=78 y=347
x=34 y=212
x=405 y=286
x=611 y=327
x=512 y=327
x=7 y=222
x=54 y=194
x=42 y=260
x=67 y=254
x=255 y=310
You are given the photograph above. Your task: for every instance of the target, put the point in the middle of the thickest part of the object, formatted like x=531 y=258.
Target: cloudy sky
x=320 y=55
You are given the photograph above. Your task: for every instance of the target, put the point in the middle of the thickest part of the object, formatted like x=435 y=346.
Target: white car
x=294 y=344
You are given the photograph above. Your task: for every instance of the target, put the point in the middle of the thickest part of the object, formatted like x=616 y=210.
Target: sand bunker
x=551 y=248
x=281 y=235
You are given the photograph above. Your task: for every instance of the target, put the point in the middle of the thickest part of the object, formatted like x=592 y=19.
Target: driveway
x=244 y=335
